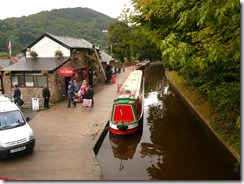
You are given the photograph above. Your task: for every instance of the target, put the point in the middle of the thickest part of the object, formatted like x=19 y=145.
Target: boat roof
x=143 y=63
x=131 y=87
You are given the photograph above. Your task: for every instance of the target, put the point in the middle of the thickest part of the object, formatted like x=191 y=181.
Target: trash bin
x=113 y=78
x=35 y=104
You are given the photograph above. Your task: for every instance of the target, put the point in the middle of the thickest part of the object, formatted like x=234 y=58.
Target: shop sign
x=65 y=71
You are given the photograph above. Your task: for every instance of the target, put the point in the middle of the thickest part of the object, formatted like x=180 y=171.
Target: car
x=16 y=135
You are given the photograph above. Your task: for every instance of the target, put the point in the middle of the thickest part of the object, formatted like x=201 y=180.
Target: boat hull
x=126 y=129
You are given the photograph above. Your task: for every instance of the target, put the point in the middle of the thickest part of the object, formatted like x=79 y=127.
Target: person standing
x=83 y=88
x=46 y=96
x=70 y=95
x=76 y=86
x=71 y=83
x=90 y=77
x=17 y=95
x=108 y=72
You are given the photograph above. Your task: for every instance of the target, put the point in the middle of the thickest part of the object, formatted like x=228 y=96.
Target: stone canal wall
x=235 y=154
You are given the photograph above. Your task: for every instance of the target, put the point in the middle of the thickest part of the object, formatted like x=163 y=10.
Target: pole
x=99 y=63
x=10 y=48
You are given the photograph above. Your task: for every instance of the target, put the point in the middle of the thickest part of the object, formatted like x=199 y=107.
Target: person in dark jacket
x=71 y=94
x=89 y=94
x=108 y=72
x=46 y=96
x=17 y=95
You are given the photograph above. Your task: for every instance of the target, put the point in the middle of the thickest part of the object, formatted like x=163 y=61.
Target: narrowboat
x=144 y=66
x=127 y=110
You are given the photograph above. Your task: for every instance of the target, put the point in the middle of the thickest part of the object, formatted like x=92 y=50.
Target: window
x=29 y=80
x=19 y=80
x=40 y=81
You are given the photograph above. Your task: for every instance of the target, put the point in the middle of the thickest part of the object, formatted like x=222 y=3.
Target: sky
x=18 y=8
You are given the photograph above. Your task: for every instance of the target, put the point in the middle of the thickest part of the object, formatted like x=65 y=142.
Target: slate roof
x=105 y=57
x=37 y=64
x=68 y=42
x=5 y=63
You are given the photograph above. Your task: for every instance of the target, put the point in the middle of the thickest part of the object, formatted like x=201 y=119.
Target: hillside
x=75 y=22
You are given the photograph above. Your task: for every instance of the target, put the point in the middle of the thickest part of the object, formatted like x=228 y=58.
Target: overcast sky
x=19 y=8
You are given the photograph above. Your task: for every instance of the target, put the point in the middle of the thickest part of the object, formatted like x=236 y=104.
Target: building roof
x=5 y=62
x=68 y=42
x=37 y=64
x=105 y=57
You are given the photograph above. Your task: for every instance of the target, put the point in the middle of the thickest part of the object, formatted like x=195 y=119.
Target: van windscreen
x=11 y=119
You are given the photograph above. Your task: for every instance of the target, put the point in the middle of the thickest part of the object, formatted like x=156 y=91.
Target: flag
x=9 y=47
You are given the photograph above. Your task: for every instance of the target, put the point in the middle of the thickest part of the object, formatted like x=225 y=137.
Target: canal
x=173 y=144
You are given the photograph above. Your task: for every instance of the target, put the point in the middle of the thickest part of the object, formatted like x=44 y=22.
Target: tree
x=201 y=40
x=128 y=41
x=4 y=54
x=118 y=40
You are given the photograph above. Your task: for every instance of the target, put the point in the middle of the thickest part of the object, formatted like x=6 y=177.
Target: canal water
x=173 y=144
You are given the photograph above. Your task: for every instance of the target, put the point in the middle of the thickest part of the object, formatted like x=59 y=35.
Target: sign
x=66 y=71
x=35 y=104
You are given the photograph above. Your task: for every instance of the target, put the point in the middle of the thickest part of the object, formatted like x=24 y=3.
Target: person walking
x=17 y=95
x=70 y=95
x=46 y=96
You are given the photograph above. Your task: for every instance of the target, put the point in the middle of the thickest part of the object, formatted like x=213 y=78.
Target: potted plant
x=33 y=53
x=58 y=53
x=7 y=73
x=44 y=72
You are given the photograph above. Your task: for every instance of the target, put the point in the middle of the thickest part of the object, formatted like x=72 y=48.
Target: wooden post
x=100 y=63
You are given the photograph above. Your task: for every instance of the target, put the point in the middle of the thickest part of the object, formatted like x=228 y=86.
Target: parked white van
x=16 y=136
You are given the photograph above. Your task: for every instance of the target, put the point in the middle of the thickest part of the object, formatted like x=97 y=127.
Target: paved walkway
x=65 y=138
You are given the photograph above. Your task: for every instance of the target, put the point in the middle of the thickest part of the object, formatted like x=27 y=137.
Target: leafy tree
x=142 y=47
x=119 y=40
x=129 y=42
x=201 y=40
x=4 y=54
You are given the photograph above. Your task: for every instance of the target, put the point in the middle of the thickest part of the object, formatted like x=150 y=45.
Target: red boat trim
x=128 y=131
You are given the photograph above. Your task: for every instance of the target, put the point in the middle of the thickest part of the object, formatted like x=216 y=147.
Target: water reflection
x=124 y=146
